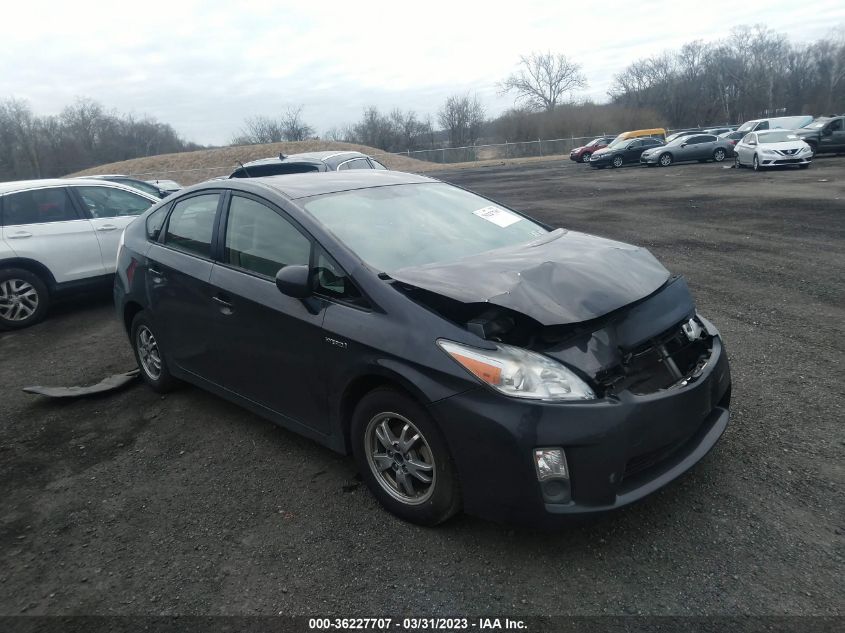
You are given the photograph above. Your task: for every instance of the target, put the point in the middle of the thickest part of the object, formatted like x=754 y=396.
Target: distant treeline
x=82 y=135
x=750 y=74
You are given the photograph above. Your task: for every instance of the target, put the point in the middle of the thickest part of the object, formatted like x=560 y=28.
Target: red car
x=582 y=154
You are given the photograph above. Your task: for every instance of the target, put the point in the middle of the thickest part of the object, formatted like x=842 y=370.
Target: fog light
x=550 y=463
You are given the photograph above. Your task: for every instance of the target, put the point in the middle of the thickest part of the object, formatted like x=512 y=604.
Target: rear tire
x=148 y=352
x=24 y=298
x=384 y=426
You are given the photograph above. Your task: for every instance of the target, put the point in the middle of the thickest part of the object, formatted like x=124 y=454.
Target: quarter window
x=191 y=224
x=333 y=282
x=38 y=206
x=110 y=202
x=261 y=241
x=358 y=163
x=376 y=164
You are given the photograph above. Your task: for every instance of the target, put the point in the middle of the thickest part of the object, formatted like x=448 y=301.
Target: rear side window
x=191 y=224
x=110 y=202
x=39 y=206
x=358 y=163
x=650 y=141
x=261 y=241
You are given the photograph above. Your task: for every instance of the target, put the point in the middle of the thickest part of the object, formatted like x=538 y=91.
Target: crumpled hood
x=564 y=277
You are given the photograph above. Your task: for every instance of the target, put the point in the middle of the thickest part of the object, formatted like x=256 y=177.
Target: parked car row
x=759 y=143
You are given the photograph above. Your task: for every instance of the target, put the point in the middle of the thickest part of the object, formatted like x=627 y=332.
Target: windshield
x=747 y=126
x=595 y=141
x=617 y=141
x=777 y=137
x=411 y=225
x=817 y=124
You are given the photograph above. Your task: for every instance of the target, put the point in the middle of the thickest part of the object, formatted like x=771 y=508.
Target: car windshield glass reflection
x=412 y=225
x=777 y=137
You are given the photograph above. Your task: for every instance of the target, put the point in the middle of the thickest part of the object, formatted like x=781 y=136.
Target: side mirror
x=294 y=281
x=683 y=144
x=827 y=132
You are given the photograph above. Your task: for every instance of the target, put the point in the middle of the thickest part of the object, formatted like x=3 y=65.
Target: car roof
x=304 y=157
x=24 y=185
x=294 y=186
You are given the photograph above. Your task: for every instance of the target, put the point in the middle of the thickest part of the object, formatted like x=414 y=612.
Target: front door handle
x=107 y=227
x=155 y=272
x=19 y=235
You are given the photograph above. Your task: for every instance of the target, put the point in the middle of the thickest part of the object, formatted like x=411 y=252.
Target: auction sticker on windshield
x=499 y=217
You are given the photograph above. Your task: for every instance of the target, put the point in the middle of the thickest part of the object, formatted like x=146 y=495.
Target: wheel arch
x=131 y=309
x=363 y=384
x=35 y=267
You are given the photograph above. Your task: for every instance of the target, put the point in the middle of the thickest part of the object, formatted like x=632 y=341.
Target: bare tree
x=543 y=80
x=258 y=130
x=293 y=127
x=462 y=117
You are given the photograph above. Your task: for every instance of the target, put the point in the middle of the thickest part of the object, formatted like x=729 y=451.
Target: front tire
x=24 y=299
x=807 y=166
x=148 y=352
x=585 y=157
x=665 y=159
x=755 y=163
x=737 y=162
x=617 y=161
x=403 y=458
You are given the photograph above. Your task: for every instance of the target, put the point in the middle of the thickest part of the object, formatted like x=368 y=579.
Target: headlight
x=770 y=152
x=517 y=372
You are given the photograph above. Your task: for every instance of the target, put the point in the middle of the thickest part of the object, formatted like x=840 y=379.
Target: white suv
x=58 y=236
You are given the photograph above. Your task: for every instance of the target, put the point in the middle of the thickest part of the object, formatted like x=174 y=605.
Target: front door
x=269 y=346
x=44 y=225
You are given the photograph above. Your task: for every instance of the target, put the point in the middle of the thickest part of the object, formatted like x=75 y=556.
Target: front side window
x=191 y=224
x=416 y=224
x=260 y=240
x=38 y=206
x=836 y=126
x=110 y=202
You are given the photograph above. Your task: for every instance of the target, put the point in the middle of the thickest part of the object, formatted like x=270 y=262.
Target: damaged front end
x=654 y=344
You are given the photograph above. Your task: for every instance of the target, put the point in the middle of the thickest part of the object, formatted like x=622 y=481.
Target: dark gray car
x=701 y=147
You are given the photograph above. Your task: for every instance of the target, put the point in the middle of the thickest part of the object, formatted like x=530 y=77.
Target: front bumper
x=601 y=161
x=775 y=161
x=618 y=449
x=649 y=160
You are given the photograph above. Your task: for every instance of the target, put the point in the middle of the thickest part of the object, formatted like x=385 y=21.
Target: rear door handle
x=224 y=302
x=107 y=227
x=154 y=271
x=19 y=235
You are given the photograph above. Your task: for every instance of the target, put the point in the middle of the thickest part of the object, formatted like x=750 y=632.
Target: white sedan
x=772 y=148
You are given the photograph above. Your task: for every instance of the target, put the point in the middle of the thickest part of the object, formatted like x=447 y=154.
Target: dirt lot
x=134 y=503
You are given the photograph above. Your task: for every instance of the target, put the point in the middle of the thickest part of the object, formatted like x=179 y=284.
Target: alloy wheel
x=665 y=160
x=400 y=458
x=617 y=161
x=18 y=300
x=585 y=157
x=148 y=352
x=755 y=163
x=719 y=155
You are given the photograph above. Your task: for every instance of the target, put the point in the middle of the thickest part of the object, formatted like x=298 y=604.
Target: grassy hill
x=188 y=168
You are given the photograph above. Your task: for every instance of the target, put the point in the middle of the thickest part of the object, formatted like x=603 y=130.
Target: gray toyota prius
x=469 y=357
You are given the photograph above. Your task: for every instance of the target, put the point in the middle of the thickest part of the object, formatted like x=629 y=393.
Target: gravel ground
x=136 y=504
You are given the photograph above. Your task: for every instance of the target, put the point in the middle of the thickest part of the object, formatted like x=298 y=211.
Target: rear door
x=110 y=209
x=272 y=344
x=178 y=271
x=46 y=225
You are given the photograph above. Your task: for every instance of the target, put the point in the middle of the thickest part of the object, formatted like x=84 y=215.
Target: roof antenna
x=245 y=169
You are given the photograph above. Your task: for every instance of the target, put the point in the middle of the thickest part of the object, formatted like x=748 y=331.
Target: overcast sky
x=205 y=66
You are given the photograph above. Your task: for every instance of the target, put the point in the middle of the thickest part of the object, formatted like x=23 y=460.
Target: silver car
x=701 y=147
